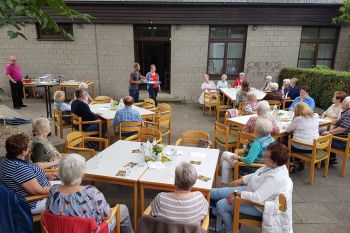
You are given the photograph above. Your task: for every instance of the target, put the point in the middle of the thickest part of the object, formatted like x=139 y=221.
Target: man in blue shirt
x=304 y=97
x=127 y=114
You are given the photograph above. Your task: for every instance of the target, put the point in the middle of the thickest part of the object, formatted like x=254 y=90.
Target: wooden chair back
x=75 y=139
x=274 y=102
x=221 y=129
x=208 y=99
x=323 y=143
x=244 y=139
x=241 y=106
x=102 y=99
x=59 y=124
x=149 y=134
x=77 y=122
x=128 y=127
x=193 y=137
x=148 y=103
x=344 y=153
x=164 y=109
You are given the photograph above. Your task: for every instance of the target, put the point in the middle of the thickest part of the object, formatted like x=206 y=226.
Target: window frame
x=317 y=41
x=55 y=37
x=226 y=41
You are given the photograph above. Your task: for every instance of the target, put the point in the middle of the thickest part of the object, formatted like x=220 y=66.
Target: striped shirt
x=15 y=172
x=169 y=208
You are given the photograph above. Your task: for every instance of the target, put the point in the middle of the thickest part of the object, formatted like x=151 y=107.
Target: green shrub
x=322 y=82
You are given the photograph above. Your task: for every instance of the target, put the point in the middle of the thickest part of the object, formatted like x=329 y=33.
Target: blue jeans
x=93 y=127
x=225 y=210
x=338 y=144
x=134 y=93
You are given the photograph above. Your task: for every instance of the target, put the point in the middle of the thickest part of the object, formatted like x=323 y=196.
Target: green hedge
x=322 y=82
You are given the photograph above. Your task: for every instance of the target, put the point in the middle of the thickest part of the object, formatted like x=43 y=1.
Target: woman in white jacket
x=264 y=185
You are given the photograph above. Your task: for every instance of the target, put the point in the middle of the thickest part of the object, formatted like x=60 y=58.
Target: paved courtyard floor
x=323 y=207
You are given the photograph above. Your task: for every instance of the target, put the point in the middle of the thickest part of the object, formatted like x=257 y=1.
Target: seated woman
x=242 y=95
x=73 y=199
x=285 y=87
x=44 y=154
x=264 y=185
x=223 y=83
x=304 y=127
x=206 y=86
x=182 y=205
x=254 y=153
x=273 y=93
x=87 y=98
x=263 y=113
x=252 y=104
x=59 y=98
x=334 y=111
x=304 y=97
x=23 y=177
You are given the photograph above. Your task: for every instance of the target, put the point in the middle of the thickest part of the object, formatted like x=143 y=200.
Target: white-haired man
x=268 y=81
x=15 y=77
x=341 y=129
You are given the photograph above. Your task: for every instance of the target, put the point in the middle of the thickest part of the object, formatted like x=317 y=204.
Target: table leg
x=135 y=205
x=109 y=130
x=24 y=92
x=142 y=198
x=49 y=100
x=46 y=102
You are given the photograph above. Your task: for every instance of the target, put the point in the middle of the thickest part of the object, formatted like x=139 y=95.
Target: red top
x=14 y=71
x=154 y=77
x=238 y=82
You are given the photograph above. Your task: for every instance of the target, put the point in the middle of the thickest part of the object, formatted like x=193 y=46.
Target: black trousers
x=153 y=93
x=17 y=93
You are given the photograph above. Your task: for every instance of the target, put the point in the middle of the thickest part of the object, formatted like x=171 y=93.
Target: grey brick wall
x=342 y=58
x=269 y=49
x=189 y=50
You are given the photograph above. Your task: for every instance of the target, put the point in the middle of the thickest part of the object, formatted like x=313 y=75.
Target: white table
x=231 y=93
x=242 y=120
x=105 y=112
x=104 y=166
x=163 y=179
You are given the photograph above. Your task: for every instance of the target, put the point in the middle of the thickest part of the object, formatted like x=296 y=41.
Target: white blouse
x=208 y=86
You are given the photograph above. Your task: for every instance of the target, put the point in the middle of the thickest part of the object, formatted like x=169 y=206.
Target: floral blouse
x=43 y=150
x=333 y=112
x=88 y=203
x=250 y=125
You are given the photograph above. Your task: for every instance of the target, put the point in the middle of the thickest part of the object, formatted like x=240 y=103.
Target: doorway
x=152 y=46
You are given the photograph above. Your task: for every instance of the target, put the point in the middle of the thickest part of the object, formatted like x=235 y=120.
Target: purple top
x=14 y=71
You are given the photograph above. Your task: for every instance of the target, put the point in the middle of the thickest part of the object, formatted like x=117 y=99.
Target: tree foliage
x=344 y=17
x=14 y=14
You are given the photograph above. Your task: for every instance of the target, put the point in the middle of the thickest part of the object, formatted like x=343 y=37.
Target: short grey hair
x=274 y=86
x=241 y=74
x=347 y=100
x=41 y=126
x=83 y=85
x=286 y=80
x=224 y=76
x=185 y=176
x=71 y=169
x=269 y=77
x=263 y=107
x=263 y=127
x=295 y=80
x=251 y=95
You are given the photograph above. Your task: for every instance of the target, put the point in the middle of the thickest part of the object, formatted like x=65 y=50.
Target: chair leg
x=325 y=171
x=169 y=138
x=210 y=111
x=55 y=130
x=319 y=164
x=311 y=174
x=343 y=168
x=61 y=132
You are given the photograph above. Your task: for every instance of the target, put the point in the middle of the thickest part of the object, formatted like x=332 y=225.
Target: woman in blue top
x=20 y=175
x=254 y=154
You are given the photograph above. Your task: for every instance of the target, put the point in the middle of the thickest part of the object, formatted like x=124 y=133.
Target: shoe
x=23 y=105
x=17 y=107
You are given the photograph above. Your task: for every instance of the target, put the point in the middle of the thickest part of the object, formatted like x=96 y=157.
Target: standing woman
x=153 y=89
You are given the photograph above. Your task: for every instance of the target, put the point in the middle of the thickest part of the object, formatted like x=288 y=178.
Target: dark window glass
x=152 y=31
x=45 y=34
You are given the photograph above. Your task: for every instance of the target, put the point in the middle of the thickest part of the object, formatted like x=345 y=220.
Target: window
x=317 y=46
x=44 y=34
x=226 y=50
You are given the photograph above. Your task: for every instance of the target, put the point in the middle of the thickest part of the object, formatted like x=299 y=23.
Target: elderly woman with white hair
x=85 y=87
x=251 y=105
x=254 y=152
x=44 y=154
x=285 y=87
x=182 y=205
x=263 y=113
x=223 y=83
x=72 y=199
x=267 y=81
x=273 y=93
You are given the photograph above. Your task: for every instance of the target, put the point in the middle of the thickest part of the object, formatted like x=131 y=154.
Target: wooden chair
x=37 y=217
x=241 y=107
x=102 y=99
x=224 y=137
x=227 y=123
x=193 y=137
x=321 y=149
x=75 y=142
x=272 y=103
x=163 y=124
x=146 y=134
x=114 y=215
x=243 y=140
x=239 y=218
x=204 y=223
x=78 y=122
x=284 y=103
x=345 y=153
x=209 y=101
x=148 y=104
x=127 y=127
x=163 y=109
x=59 y=124
x=220 y=108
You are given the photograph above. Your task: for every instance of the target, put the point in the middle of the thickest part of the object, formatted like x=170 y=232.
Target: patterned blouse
x=333 y=112
x=88 y=203
x=250 y=125
x=251 y=107
x=43 y=150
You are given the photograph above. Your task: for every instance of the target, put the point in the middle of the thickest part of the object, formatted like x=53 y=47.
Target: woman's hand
x=230 y=198
x=52 y=176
